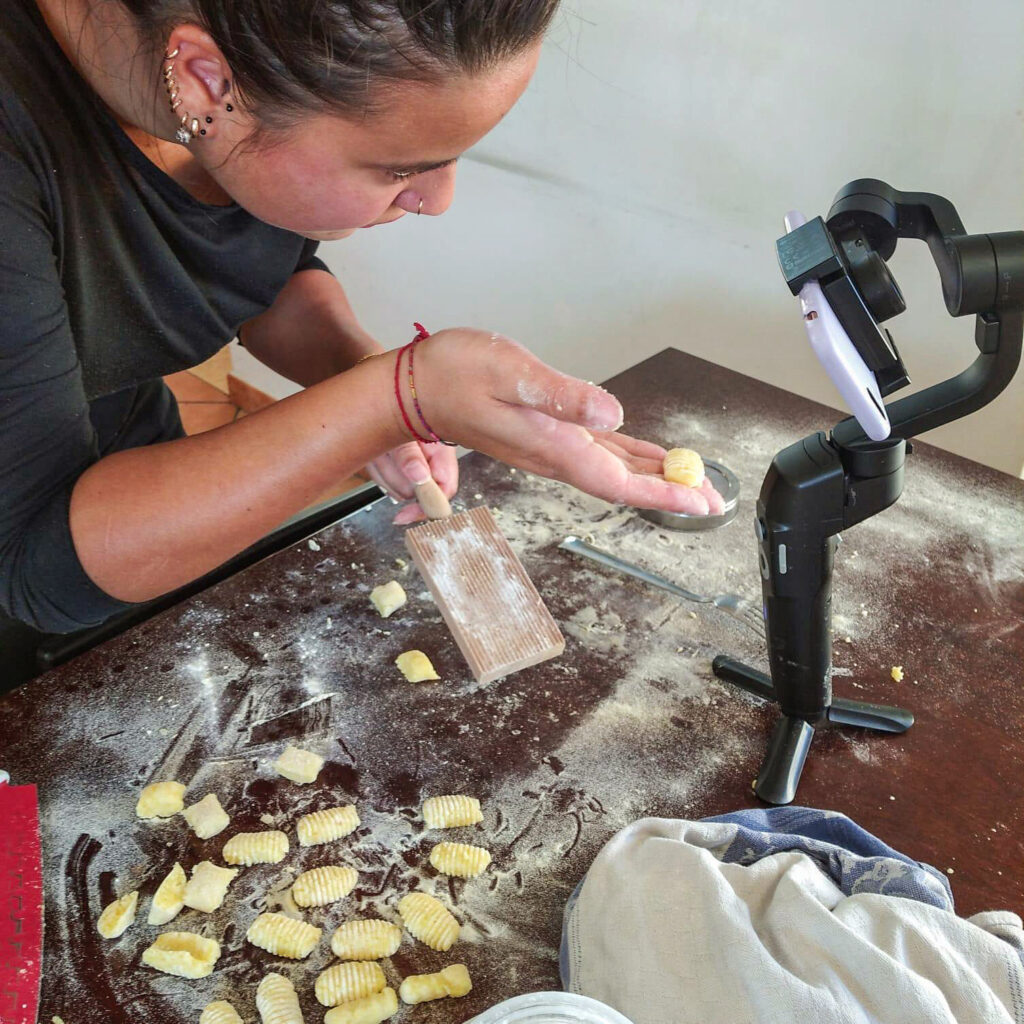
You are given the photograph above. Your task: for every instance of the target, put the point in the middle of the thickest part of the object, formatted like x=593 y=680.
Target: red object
x=423 y=333
x=21 y=905
x=398 y=395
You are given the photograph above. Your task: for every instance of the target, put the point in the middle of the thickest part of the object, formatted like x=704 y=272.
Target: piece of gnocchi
x=118 y=917
x=301 y=766
x=368 y=1010
x=426 y=918
x=206 y=818
x=416 y=667
x=366 y=939
x=283 y=936
x=326 y=826
x=453 y=811
x=683 y=466
x=320 y=886
x=387 y=598
x=460 y=859
x=248 y=848
x=169 y=897
x=421 y=988
x=277 y=1002
x=352 y=980
x=220 y=1012
x=208 y=886
x=183 y=954
x=161 y=800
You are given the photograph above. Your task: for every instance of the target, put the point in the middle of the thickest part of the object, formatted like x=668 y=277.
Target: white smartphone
x=843 y=363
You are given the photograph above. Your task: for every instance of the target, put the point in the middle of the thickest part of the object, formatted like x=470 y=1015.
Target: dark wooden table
x=628 y=723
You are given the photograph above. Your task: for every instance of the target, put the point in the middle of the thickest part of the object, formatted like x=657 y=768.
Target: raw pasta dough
x=321 y=886
x=169 y=897
x=460 y=859
x=344 y=982
x=208 y=886
x=416 y=667
x=425 y=918
x=248 y=848
x=451 y=811
x=220 y=1012
x=277 y=1002
x=387 y=598
x=368 y=939
x=326 y=826
x=368 y=1010
x=183 y=954
x=283 y=936
x=161 y=800
x=683 y=466
x=301 y=766
x=452 y=981
x=118 y=916
x=206 y=818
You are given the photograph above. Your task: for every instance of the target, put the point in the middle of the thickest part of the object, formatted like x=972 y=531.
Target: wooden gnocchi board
x=494 y=611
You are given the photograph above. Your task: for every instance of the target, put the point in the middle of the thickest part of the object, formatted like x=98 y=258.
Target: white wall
x=632 y=200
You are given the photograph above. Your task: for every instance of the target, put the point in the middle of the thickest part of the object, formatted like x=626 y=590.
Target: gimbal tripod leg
x=879 y=717
x=784 y=762
x=743 y=676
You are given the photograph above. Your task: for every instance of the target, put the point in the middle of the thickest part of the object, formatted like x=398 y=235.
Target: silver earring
x=188 y=129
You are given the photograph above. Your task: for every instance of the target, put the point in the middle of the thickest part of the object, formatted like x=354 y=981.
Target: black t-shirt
x=111 y=275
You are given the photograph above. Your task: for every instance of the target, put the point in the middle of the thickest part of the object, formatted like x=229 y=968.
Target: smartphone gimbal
x=825 y=484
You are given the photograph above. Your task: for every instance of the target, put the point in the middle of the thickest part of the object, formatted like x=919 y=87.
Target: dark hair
x=289 y=57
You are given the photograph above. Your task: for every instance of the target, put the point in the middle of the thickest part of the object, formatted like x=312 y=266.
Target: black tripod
x=822 y=485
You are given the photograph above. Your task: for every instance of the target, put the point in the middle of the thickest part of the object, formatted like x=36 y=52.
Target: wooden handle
x=432 y=500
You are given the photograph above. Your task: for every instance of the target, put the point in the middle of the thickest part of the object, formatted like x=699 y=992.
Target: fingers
x=535 y=385
x=636 y=463
x=444 y=467
x=716 y=503
x=395 y=472
x=386 y=477
x=634 y=446
x=644 y=491
x=410 y=513
x=411 y=462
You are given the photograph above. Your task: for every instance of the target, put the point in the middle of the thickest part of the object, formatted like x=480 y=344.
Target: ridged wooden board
x=491 y=606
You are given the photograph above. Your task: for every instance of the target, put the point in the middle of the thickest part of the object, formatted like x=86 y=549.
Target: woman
x=167 y=168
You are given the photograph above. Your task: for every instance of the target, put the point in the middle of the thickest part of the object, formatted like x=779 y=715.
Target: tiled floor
x=203 y=406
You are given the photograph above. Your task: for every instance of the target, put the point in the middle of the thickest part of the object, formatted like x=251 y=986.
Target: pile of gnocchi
x=355 y=989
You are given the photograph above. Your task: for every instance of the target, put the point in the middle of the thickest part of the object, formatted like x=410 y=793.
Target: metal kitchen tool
x=724 y=481
x=743 y=608
x=21 y=903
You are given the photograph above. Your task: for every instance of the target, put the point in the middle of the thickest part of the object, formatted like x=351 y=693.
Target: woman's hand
x=398 y=470
x=491 y=394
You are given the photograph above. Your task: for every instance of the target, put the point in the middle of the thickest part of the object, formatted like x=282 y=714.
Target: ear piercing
x=188 y=126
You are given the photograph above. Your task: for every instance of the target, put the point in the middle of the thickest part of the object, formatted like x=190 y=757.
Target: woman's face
x=331 y=175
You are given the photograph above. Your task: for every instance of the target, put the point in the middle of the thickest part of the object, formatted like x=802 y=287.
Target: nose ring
x=419 y=209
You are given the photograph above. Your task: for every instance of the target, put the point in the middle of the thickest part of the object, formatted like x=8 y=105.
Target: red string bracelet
x=421 y=335
x=398 y=396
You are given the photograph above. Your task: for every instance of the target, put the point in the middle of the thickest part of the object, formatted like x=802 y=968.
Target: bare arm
x=310 y=333
x=148 y=520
